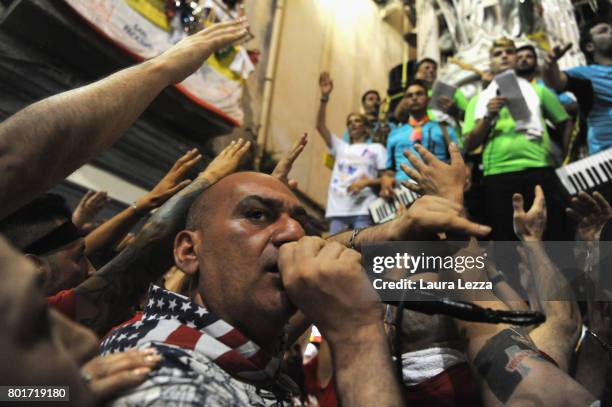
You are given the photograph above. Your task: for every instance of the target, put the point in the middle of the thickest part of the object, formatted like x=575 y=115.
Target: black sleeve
x=583 y=90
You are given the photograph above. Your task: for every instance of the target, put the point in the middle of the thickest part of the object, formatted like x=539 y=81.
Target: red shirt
x=325 y=395
x=64 y=302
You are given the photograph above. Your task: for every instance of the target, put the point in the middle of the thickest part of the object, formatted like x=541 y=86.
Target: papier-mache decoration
x=147 y=28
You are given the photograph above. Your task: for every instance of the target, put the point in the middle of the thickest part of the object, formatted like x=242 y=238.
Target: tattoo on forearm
x=112 y=291
x=500 y=362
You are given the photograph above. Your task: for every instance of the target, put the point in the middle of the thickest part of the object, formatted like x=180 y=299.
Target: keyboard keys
x=382 y=210
x=587 y=174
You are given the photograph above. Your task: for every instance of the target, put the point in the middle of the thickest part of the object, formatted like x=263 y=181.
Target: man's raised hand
x=557 y=53
x=430 y=215
x=590 y=213
x=283 y=168
x=189 y=54
x=325 y=84
x=530 y=225
x=171 y=183
x=435 y=177
x=89 y=206
x=227 y=161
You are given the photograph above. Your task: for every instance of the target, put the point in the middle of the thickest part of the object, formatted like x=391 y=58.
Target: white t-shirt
x=353 y=161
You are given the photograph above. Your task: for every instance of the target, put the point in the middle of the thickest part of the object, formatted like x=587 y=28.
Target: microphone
x=430 y=304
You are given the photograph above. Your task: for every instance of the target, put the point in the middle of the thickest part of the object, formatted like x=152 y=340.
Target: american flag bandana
x=172 y=319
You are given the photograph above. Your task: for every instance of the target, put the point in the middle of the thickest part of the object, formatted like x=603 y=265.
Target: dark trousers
x=498 y=202
x=498 y=191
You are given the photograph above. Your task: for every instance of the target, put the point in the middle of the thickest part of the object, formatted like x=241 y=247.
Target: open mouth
x=273 y=268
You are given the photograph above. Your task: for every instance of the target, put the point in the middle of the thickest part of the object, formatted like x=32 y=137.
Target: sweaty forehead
x=232 y=189
x=501 y=48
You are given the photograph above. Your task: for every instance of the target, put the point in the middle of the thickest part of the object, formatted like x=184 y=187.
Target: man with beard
x=592 y=84
x=527 y=68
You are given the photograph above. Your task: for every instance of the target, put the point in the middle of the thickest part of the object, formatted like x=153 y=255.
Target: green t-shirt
x=506 y=150
x=459 y=99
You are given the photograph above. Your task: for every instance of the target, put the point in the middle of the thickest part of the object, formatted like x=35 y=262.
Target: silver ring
x=86 y=377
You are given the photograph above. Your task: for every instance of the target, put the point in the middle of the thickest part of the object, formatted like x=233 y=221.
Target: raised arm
x=432 y=176
x=552 y=75
x=558 y=335
x=112 y=231
x=87 y=209
x=326 y=85
x=104 y=299
x=440 y=209
x=284 y=166
x=59 y=134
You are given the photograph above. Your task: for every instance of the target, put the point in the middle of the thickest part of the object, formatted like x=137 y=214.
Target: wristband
x=139 y=211
x=351 y=243
x=324 y=99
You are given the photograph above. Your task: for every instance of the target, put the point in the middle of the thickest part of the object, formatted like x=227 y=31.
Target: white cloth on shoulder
x=533 y=127
x=424 y=364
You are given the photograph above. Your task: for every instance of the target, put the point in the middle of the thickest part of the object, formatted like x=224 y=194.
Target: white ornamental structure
x=472 y=25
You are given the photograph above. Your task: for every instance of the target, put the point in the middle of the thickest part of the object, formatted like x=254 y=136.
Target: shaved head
x=201 y=209
x=234 y=232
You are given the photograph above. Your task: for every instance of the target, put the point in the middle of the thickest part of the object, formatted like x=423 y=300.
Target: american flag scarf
x=172 y=319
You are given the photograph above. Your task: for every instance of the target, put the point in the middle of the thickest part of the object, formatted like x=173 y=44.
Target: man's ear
x=42 y=265
x=185 y=256
x=589 y=47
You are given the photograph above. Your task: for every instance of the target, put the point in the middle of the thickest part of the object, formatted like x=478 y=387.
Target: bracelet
x=139 y=211
x=324 y=99
x=351 y=243
x=86 y=378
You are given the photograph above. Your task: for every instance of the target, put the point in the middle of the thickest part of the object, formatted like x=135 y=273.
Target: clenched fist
x=326 y=281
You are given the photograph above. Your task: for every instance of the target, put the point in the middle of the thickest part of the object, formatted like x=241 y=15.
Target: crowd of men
x=207 y=303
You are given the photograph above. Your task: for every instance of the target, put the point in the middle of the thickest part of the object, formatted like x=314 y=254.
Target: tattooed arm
x=514 y=372
x=106 y=298
x=558 y=335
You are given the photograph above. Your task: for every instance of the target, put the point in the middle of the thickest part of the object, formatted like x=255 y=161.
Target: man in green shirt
x=427 y=71
x=515 y=155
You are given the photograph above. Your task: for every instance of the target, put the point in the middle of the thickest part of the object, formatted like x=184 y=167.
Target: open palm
x=530 y=225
